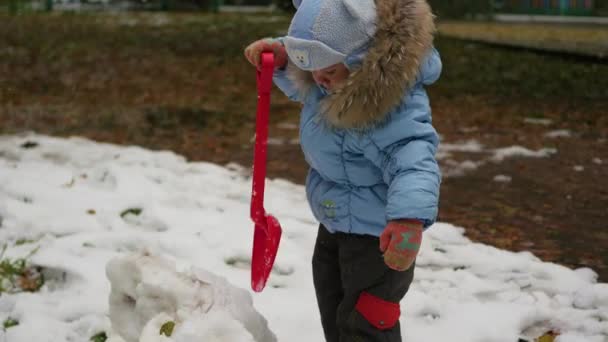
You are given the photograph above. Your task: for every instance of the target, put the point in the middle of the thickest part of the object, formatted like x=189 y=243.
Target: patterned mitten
x=400 y=242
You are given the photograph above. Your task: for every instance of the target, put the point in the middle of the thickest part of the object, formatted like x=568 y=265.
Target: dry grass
x=179 y=81
x=130 y=78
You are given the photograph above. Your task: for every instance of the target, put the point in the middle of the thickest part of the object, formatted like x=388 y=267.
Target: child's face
x=331 y=76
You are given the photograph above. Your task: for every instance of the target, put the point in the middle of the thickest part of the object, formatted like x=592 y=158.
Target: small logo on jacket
x=329 y=208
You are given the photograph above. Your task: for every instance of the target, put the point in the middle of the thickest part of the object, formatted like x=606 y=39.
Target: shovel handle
x=264 y=85
x=264 y=74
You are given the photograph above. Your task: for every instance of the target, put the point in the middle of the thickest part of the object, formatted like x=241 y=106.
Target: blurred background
x=522 y=105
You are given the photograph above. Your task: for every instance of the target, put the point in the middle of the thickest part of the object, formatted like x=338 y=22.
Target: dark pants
x=344 y=267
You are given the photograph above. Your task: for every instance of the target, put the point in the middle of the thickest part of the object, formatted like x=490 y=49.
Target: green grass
x=510 y=75
x=114 y=61
x=9 y=323
x=159 y=80
x=100 y=337
x=66 y=72
x=17 y=275
x=131 y=211
x=20 y=242
x=586 y=40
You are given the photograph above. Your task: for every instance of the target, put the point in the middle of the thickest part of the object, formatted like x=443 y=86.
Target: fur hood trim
x=404 y=36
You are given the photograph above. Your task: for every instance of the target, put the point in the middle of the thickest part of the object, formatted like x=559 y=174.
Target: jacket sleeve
x=282 y=81
x=286 y=85
x=431 y=68
x=404 y=149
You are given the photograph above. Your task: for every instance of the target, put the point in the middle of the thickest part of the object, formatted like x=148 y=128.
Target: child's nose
x=320 y=79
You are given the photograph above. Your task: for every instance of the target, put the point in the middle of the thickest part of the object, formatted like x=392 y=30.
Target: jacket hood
x=395 y=61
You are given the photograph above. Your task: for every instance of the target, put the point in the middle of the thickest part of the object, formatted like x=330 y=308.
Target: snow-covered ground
x=453 y=168
x=83 y=203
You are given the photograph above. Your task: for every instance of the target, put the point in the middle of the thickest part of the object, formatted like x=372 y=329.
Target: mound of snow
x=148 y=291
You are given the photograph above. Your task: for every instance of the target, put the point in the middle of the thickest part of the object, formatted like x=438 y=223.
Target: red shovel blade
x=267 y=231
x=265 y=245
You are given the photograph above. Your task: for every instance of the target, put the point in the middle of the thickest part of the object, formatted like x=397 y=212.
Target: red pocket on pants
x=377 y=311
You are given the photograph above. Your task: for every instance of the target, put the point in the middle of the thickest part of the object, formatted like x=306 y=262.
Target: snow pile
x=560 y=133
x=538 y=121
x=453 y=166
x=509 y=295
x=81 y=204
x=502 y=178
x=148 y=292
x=518 y=151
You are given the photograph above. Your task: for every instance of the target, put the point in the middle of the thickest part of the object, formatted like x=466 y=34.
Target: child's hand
x=255 y=49
x=400 y=242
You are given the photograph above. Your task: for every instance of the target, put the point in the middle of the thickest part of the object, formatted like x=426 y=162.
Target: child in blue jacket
x=359 y=68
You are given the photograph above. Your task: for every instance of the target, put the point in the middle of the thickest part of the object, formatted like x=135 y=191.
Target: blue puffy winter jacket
x=371 y=145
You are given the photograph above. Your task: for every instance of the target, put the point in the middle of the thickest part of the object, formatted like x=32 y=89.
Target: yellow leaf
x=548 y=337
x=167 y=328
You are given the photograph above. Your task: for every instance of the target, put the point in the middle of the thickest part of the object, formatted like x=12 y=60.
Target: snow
x=185 y=247
x=537 y=121
x=455 y=168
x=518 y=151
x=467 y=146
x=560 y=133
x=147 y=292
x=276 y=141
x=502 y=178
x=211 y=327
x=452 y=168
x=288 y=126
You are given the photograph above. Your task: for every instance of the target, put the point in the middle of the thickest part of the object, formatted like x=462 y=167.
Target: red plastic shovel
x=267 y=231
